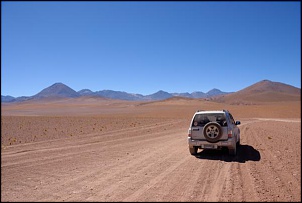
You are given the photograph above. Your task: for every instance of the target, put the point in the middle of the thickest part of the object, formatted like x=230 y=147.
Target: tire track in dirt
x=177 y=186
x=159 y=139
x=72 y=152
x=243 y=186
x=42 y=164
x=248 y=184
x=33 y=147
x=142 y=176
x=66 y=147
x=115 y=174
x=210 y=181
x=279 y=185
x=163 y=173
x=219 y=180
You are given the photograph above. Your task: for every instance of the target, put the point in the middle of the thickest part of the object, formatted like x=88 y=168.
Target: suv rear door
x=201 y=119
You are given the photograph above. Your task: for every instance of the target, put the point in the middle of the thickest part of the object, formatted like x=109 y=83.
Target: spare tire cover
x=212 y=131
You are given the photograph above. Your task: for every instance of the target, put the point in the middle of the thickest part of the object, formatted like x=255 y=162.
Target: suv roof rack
x=199 y=110
x=204 y=110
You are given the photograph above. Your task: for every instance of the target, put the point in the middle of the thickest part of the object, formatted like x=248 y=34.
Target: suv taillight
x=189 y=133
x=230 y=133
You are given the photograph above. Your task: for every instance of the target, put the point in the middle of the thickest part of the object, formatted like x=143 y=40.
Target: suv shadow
x=244 y=153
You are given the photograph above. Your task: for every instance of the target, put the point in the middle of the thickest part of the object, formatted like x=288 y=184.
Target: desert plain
x=96 y=149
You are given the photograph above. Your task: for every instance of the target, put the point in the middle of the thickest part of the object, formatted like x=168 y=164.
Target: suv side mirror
x=237 y=123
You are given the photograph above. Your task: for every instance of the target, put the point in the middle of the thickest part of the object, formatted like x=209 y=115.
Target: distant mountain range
x=60 y=90
x=265 y=89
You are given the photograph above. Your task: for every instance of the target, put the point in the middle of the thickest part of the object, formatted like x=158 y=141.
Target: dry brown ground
x=102 y=150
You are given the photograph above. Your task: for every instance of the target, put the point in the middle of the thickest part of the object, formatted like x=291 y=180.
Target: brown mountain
x=57 y=90
x=263 y=91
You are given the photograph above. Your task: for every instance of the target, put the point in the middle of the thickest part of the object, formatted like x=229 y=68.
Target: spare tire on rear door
x=212 y=131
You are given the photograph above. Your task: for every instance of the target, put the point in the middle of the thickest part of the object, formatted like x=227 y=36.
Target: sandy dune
x=131 y=151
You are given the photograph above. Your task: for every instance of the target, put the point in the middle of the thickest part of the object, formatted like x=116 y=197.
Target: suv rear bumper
x=203 y=144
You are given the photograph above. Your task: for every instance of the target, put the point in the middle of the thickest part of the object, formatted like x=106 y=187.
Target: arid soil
x=130 y=151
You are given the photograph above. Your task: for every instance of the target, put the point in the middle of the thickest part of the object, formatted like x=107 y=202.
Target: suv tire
x=238 y=143
x=212 y=131
x=233 y=151
x=193 y=150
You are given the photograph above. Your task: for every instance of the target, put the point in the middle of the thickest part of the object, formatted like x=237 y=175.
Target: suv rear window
x=202 y=119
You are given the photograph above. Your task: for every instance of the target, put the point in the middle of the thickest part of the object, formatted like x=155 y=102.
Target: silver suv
x=213 y=130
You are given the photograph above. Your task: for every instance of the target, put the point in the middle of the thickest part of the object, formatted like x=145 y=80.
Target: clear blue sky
x=143 y=47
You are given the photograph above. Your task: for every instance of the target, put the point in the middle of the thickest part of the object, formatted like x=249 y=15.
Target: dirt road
x=150 y=161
